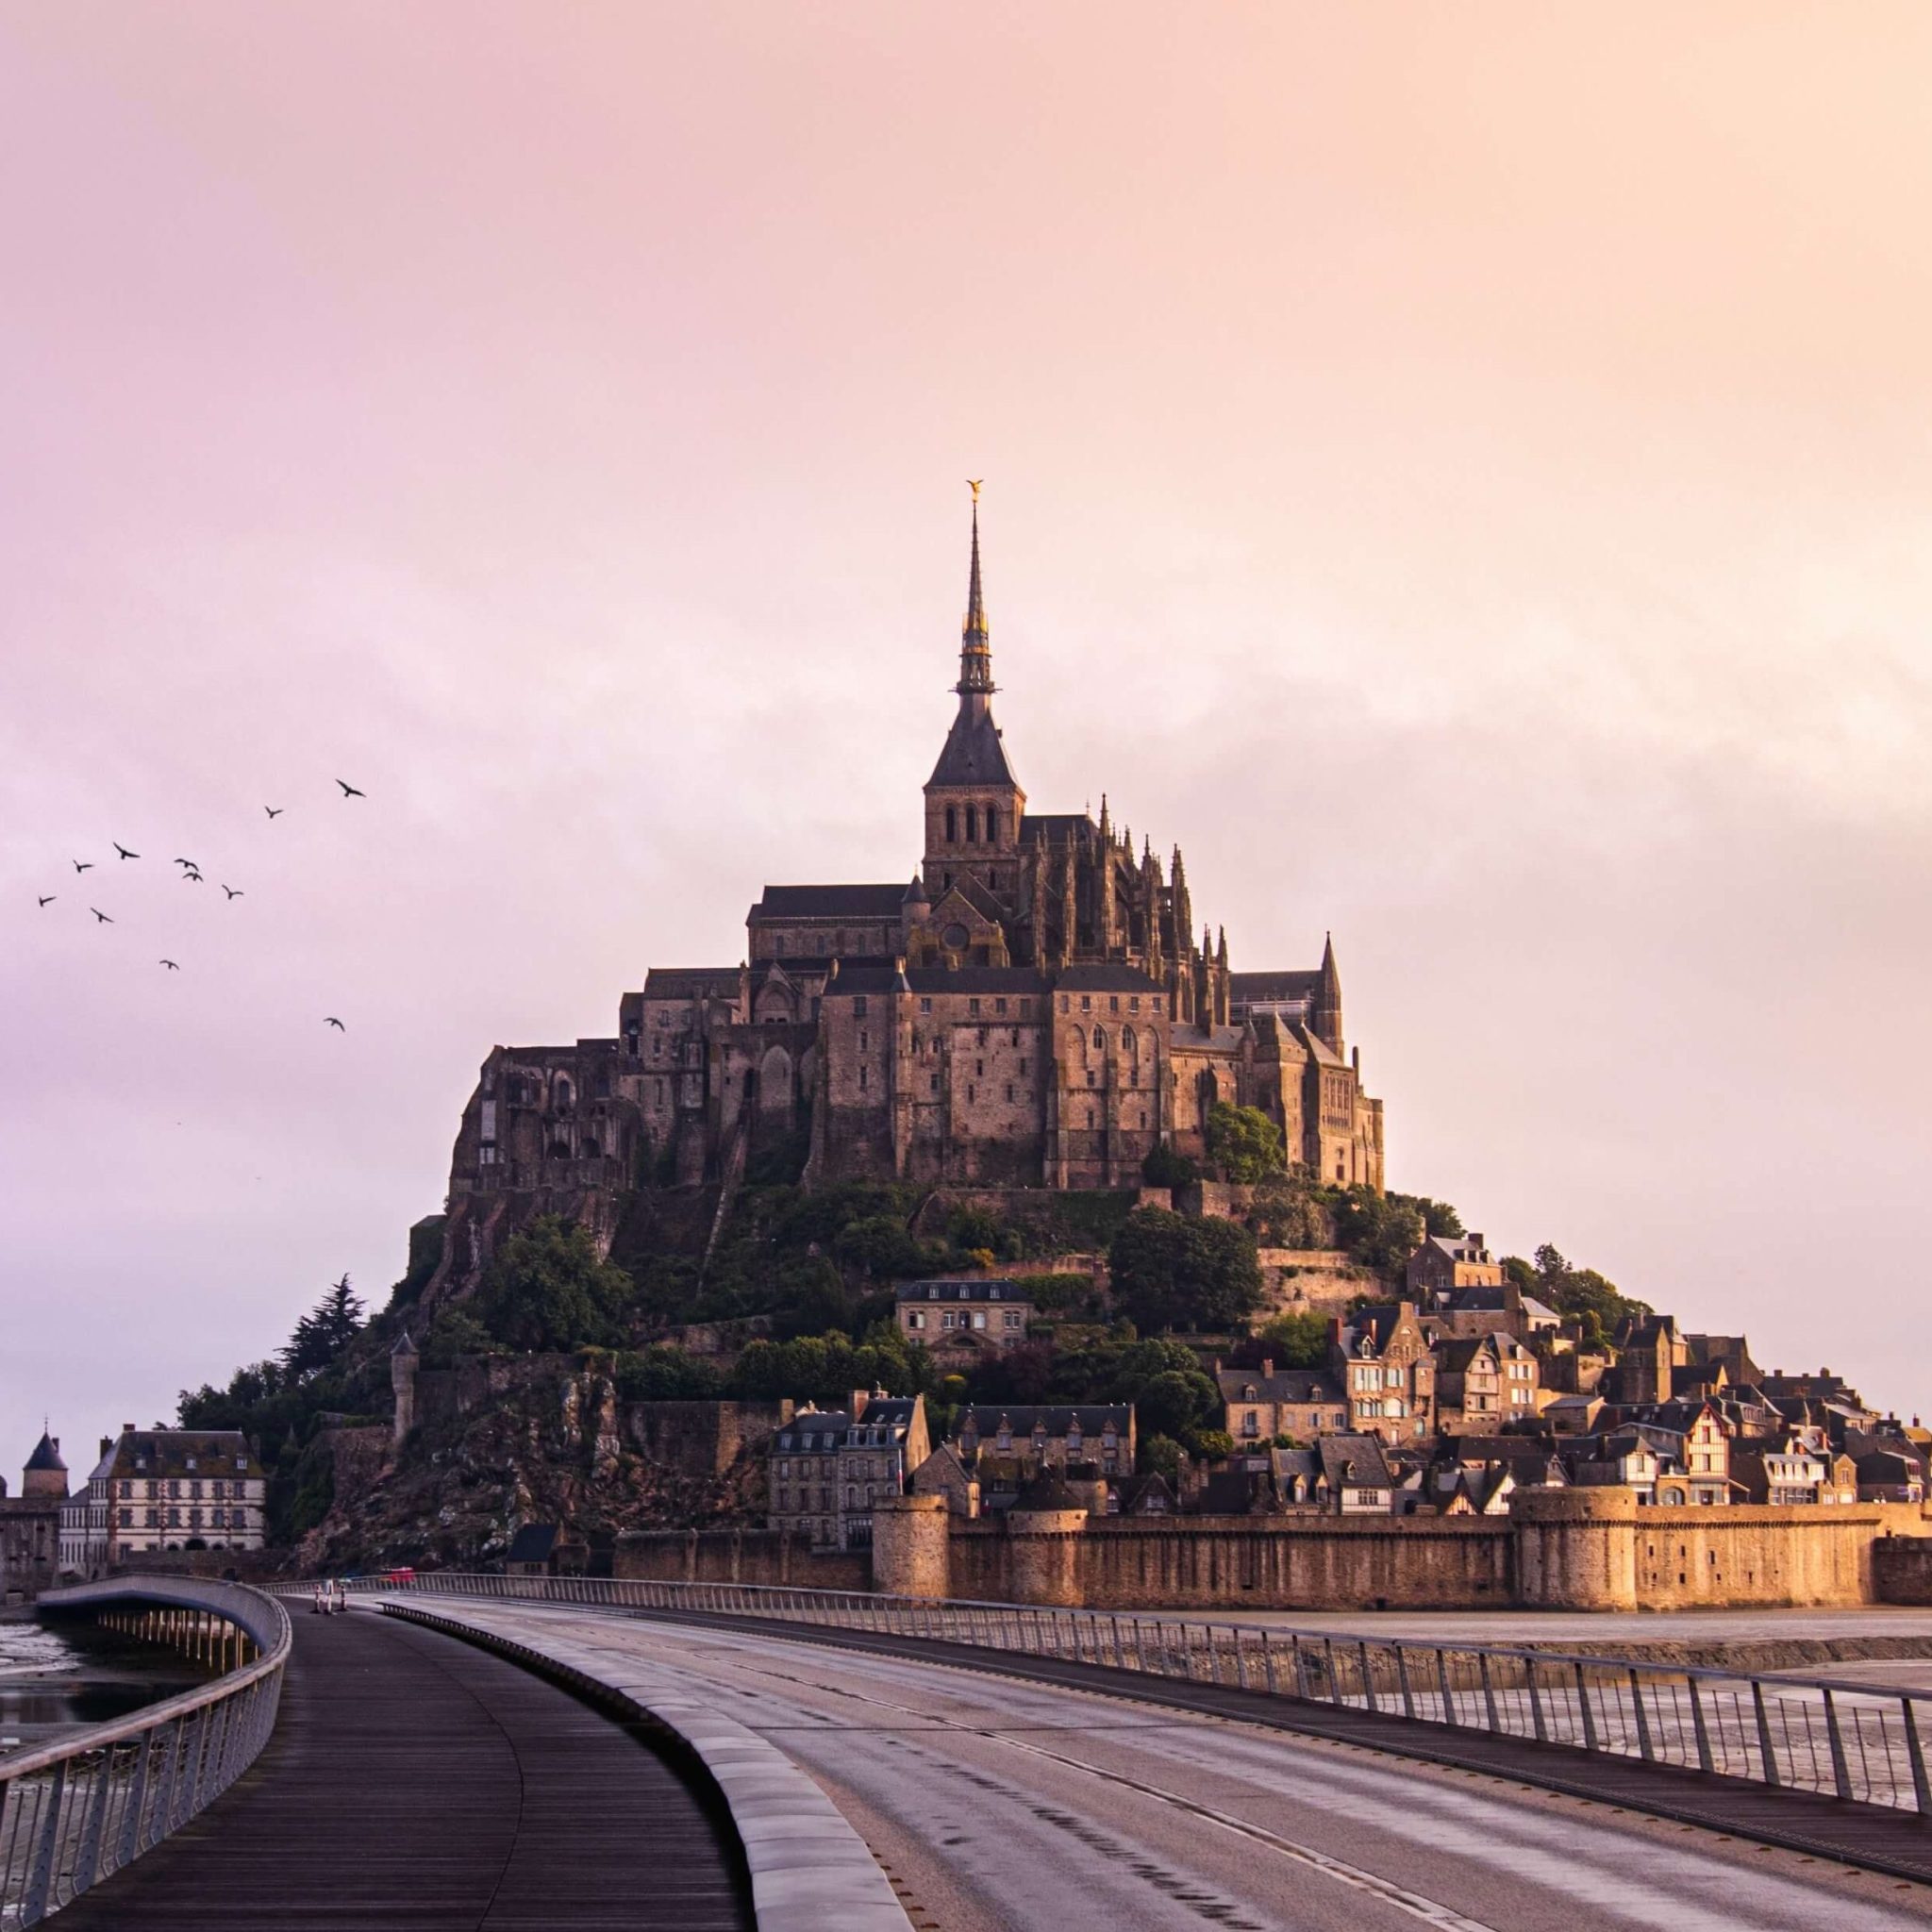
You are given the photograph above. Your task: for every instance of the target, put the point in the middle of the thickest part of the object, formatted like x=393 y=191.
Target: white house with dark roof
x=185 y=1489
x=963 y=1314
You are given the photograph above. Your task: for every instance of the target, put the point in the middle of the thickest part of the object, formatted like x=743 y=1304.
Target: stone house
x=1778 y=1470
x=86 y=1536
x=1485 y=1382
x=826 y=1468
x=961 y=1317
x=182 y=1490
x=30 y=1524
x=1486 y=1309
x=1620 y=1458
x=1259 y=1405
x=1047 y=1437
x=1356 y=1475
x=1382 y=1359
x=1446 y=1262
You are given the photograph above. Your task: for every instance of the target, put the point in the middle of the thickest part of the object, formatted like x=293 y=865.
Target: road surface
x=997 y=1805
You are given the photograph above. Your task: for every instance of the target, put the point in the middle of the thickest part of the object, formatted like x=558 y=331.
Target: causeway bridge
x=489 y=1752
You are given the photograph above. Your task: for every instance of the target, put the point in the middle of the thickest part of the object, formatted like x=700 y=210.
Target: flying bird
x=100 y=915
x=274 y=811
x=349 y=790
x=332 y=1020
x=233 y=892
x=122 y=849
x=191 y=873
x=83 y=865
x=171 y=965
x=188 y=862
x=48 y=898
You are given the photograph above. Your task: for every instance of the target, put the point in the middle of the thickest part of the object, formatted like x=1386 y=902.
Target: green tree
x=324 y=1333
x=1438 y=1216
x=1165 y=1168
x=1178 y=1270
x=1174 y=1404
x=1380 y=1231
x=1243 y=1143
x=550 y=1290
x=1298 y=1340
x=1581 y=1293
x=1160 y=1455
x=663 y=1373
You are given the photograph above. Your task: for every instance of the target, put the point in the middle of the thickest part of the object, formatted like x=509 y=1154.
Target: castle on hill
x=1034 y=1008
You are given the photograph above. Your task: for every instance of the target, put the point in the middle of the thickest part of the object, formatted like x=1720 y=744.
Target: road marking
x=1430 y=1911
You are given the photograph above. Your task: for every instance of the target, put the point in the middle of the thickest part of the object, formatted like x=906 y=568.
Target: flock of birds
x=191 y=875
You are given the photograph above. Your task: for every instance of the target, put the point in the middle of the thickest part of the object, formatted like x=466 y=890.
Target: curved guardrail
x=83 y=1806
x=1865 y=1743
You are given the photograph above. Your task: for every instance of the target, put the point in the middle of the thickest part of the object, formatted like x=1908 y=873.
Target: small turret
x=404 y=1360
x=46 y=1475
x=1324 y=1009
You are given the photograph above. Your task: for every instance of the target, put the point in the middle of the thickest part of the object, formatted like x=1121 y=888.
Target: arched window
x=973 y=824
x=951 y=828
x=992 y=825
x=1127 y=1040
x=565 y=1095
x=1099 y=1040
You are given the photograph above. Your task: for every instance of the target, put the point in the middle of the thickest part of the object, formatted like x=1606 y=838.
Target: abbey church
x=1034 y=1008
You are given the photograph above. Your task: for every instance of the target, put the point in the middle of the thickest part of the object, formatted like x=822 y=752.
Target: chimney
x=1267 y=1368
x=859 y=1398
x=106 y=1445
x=127 y=1428
x=1335 y=1325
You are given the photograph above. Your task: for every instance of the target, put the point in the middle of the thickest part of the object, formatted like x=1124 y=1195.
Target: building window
x=1009 y=1090
x=926 y=1005
x=1113 y=1003
x=935 y=1083
x=951 y=828
x=972 y=1094
x=1133 y=1003
x=864 y=1040
x=1022 y=1069
x=1099 y=1040
x=862 y=1081
x=1086 y=1003
x=972 y=1008
x=858 y=1008
x=999 y=1005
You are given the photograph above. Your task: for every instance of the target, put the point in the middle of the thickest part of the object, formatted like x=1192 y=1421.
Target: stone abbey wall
x=1589 y=1549
x=738 y=1555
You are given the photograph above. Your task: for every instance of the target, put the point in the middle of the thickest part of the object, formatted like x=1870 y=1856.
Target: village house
x=963 y=1316
x=1484 y=1382
x=826 y=1468
x=86 y=1525
x=1446 y=1262
x=1007 y=1447
x=1781 y=1470
x=184 y=1489
x=1383 y=1360
x=1259 y=1405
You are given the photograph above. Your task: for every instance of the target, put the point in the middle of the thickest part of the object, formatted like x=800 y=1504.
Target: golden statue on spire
x=972 y=483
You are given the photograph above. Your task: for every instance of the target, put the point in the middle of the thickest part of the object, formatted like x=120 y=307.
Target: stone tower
x=403 y=1360
x=46 y=1475
x=973 y=803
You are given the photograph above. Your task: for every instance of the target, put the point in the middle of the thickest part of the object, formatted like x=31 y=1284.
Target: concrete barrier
x=808 y=1868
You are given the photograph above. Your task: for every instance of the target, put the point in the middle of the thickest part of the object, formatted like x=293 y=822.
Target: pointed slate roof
x=973 y=753
x=45 y=1455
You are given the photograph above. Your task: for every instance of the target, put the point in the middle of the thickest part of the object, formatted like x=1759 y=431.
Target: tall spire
x=976 y=650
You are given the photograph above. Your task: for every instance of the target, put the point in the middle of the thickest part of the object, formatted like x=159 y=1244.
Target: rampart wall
x=1591 y=1549
x=738 y=1555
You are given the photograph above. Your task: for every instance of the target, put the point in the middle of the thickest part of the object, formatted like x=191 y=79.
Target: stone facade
x=177 y=1488
x=1034 y=1007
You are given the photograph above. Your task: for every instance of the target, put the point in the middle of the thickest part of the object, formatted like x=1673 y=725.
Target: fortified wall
x=1590 y=1549
x=738 y=1555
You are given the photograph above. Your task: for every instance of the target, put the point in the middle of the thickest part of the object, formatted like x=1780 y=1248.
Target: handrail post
x=1644 y=1745
x=1915 y=1753
x=1448 y=1697
x=1699 y=1725
x=1583 y=1706
x=1368 y=1677
x=137 y=1793
x=1764 y=1743
x=40 y=1874
x=1840 y=1766
x=87 y=1863
x=1401 y=1681
x=1536 y=1701
x=1482 y=1661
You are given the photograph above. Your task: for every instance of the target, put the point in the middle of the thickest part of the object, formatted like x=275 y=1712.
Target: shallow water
x=60 y=1679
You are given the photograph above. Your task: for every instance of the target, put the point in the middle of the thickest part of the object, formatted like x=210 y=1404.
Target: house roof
x=1356 y=1461
x=691 y=982
x=168 y=1452
x=1055 y=828
x=1457 y=1354
x=975 y=752
x=1246 y=988
x=931 y=979
x=977 y=1289
x=1093 y=1417
x=830 y=902
x=46 y=1454
x=1105 y=976
x=533 y=1544
x=1284 y=1385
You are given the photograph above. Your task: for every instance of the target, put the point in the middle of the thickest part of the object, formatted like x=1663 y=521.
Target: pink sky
x=1462 y=472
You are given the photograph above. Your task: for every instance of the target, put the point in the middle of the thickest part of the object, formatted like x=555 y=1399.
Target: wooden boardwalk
x=417 y=1782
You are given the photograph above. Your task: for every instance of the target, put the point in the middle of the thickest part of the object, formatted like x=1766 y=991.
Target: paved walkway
x=417 y=1782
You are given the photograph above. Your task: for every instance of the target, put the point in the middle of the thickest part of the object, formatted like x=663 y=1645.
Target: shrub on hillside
x=1176 y=1271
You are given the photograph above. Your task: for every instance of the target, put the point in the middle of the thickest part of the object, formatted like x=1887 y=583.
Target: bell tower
x=973 y=803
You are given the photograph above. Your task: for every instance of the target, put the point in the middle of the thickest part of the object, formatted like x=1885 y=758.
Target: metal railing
x=76 y=1809
x=1866 y=1743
